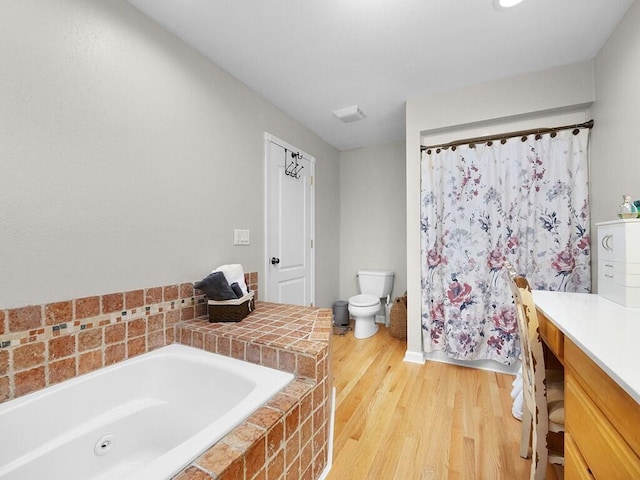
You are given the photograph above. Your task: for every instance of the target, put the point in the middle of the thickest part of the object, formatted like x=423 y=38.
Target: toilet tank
x=376 y=282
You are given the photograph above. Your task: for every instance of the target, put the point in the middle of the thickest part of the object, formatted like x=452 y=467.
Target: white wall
x=615 y=156
x=127 y=159
x=501 y=106
x=372 y=215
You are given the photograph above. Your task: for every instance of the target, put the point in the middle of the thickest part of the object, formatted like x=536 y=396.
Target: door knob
x=275 y=260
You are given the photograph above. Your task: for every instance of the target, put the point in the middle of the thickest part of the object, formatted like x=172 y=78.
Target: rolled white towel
x=517 y=395
x=234 y=274
x=516 y=409
x=517 y=385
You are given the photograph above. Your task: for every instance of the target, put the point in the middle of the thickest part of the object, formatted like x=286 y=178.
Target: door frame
x=268 y=138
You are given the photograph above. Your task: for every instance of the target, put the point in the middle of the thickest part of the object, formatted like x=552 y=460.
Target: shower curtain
x=523 y=199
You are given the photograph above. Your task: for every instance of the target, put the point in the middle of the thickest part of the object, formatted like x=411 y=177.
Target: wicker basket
x=398 y=318
x=231 y=310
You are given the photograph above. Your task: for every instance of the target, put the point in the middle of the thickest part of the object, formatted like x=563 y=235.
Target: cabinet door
x=574 y=464
x=619 y=241
x=604 y=450
x=611 y=242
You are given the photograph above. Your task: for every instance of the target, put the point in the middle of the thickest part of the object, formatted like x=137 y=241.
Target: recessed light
x=502 y=4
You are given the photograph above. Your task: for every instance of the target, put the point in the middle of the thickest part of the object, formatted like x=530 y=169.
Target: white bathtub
x=145 y=418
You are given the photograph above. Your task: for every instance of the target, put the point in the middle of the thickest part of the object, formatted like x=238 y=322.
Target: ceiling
x=311 y=57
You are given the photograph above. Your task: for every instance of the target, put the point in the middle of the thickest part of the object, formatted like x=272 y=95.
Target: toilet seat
x=364 y=300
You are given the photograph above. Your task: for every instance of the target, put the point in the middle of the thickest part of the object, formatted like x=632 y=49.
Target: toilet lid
x=364 y=300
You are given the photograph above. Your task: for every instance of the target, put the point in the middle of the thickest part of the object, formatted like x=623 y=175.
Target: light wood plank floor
x=402 y=421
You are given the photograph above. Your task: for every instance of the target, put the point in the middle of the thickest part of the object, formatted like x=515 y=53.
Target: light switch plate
x=240 y=237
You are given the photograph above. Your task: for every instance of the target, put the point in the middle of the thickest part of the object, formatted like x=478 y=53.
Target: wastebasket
x=341 y=313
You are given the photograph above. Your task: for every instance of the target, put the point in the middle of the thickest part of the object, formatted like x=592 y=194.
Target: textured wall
x=127 y=159
x=614 y=153
x=373 y=231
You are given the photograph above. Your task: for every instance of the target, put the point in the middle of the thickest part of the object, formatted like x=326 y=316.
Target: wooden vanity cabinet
x=602 y=422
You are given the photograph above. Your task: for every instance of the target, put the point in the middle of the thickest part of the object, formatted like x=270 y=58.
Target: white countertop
x=607 y=332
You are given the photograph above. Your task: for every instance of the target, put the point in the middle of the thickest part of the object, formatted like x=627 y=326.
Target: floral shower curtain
x=524 y=200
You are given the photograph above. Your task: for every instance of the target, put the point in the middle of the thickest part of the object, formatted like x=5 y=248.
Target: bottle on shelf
x=627 y=209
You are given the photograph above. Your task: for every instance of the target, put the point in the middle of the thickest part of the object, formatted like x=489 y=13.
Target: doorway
x=289 y=223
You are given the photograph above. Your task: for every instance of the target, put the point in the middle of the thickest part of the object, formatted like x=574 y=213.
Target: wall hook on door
x=293 y=169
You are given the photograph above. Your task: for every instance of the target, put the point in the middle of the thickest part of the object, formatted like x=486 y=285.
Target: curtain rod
x=503 y=136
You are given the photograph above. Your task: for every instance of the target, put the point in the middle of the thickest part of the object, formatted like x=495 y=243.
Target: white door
x=289 y=224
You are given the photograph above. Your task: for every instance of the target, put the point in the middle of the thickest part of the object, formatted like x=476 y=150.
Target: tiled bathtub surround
x=41 y=345
x=288 y=438
x=286 y=337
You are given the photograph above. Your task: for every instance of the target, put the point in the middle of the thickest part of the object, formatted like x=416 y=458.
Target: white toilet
x=373 y=285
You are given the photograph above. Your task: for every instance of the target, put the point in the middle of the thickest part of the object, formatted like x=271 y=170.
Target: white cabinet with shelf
x=619 y=261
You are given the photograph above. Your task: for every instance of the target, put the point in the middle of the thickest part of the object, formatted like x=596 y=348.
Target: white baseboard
x=489 y=365
x=414 y=357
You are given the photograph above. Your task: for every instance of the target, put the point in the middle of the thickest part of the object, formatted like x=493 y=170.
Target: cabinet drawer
x=620 y=409
x=603 y=449
x=552 y=336
x=624 y=295
x=622 y=273
x=574 y=465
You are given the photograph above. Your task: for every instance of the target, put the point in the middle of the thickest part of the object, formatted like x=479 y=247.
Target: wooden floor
x=404 y=421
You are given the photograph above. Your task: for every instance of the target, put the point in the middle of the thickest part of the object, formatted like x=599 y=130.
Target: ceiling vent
x=349 y=114
x=504 y=4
